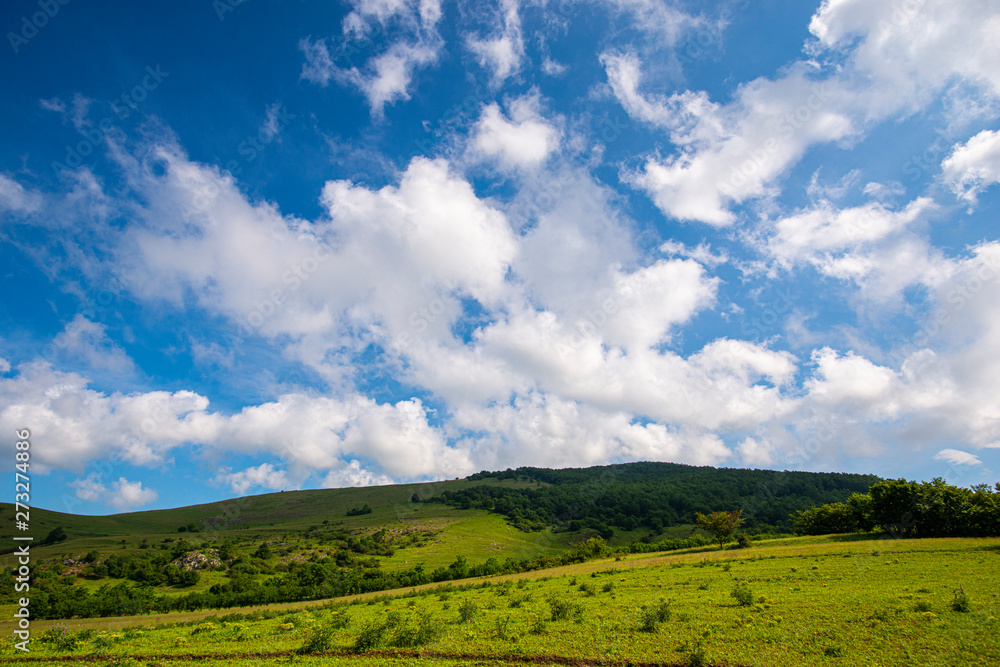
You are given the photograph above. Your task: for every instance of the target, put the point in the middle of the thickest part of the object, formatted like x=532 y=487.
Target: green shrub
x=922 y=606
x=320 y=639
x=467 y=611
x=652 y=616
x=502 y=631
x=424 y=631
x=608 y=587
x=60 y=638
x=587 y=590
x=961 y=601
x=695 y=656
x=538 y=626
x=742 y=594
x=561 y=609
x=370 y=637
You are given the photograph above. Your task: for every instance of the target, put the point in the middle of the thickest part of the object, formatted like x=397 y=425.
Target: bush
x=743 y=542
x=410 y=636
x=742 y=594
x=587 y=590
x=561 y=609
x=371 y=636
x=653 y=616
x=467 y=611
x=60 y=638
x=961 y=602
x=696 y=656
x=501 y=629
x=320 y=639
x=922 y=606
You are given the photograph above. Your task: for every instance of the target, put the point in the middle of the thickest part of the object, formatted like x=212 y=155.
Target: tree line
x=909 y=509
x=57 y=597
x=652 y=495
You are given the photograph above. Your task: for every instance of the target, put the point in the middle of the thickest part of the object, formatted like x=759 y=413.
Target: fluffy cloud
x=504 y=52
x=873 y=60
x=730 y=154
x=387 y=76
x=123 y=495
x=906 y=52
x=310 y=434
x=814 y=233
x=86 y=341
x=974 y=165
x=265 y=475
x=524 y=141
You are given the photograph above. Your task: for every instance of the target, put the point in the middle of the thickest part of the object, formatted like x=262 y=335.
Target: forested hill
x=655 y=495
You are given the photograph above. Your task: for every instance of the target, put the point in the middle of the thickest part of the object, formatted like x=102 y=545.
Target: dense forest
x=909 y=509
x=653 y=495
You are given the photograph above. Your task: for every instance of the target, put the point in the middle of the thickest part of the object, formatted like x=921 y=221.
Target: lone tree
x=721 y=525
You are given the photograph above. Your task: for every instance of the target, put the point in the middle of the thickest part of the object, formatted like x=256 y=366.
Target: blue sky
x=252 y=246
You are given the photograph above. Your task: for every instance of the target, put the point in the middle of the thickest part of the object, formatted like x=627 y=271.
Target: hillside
x=300 y=545
x=652 y=495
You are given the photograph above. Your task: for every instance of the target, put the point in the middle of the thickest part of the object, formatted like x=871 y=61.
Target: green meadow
x=836 y=600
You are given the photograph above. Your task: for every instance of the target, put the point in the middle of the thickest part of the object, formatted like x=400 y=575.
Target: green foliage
x=960 y=602
x=561 y=608
x=742 y=594
x=420 y=632
x=467 y=611
x=721 y=525
x=55 y=536
x=371 y=636
x=695 y=655
x=654 y=495
x=360 y=511
x=652 y=616
x=60 y=638
x=398 y=632
x=909 y=509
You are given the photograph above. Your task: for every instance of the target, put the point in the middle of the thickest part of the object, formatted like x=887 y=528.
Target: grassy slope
x=250 y=518
x=822 y=602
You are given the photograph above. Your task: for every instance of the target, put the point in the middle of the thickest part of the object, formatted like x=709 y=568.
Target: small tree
x=721 y=525
x=55 y=535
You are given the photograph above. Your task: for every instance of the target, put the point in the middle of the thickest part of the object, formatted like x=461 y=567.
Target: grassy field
x=808 y=601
